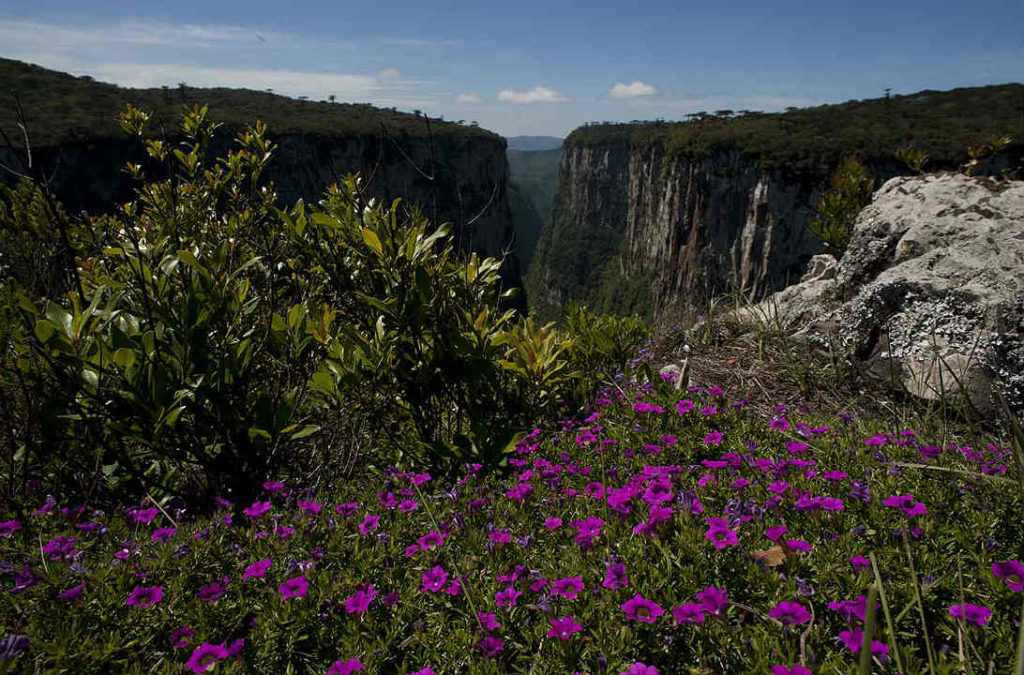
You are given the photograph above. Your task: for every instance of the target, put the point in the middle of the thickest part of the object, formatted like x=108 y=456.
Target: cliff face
x=462 y=179
x=635 y=228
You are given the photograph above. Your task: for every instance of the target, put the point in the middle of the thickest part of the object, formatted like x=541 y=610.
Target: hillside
x=650 y=216
x=942 y=123
x=62 y=108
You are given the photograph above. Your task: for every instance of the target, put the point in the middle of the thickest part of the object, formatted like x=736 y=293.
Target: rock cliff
x=930 y=291
x=639 y=226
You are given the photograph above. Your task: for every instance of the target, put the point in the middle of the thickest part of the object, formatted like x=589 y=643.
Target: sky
x=532 y=67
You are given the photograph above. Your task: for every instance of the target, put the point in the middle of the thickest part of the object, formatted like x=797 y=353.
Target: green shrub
x=837 y=208
x=212 y=337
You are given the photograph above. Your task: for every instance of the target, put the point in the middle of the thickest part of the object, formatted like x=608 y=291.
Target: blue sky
x=532 y=67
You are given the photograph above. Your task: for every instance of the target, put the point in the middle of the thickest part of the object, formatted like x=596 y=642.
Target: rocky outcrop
x=462 y=179
x=683 y=228
x=930 y=291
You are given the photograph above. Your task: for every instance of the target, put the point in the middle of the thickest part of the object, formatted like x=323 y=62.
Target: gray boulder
x=930 y=291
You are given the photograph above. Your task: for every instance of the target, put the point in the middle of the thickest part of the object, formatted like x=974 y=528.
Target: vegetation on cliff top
x=62 y=108
x=941 y=123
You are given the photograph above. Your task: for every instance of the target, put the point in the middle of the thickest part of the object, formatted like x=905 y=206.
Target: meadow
x=663 y=530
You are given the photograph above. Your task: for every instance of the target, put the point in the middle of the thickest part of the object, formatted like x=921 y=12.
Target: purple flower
x=369 y=524
x=257 y=509
x=713 y=438
x=564 y=628
x=774 y=533
x=204 y=657
x=8 y=528
x=145 y=596
x=690 y=612
x=273 y=486
x=488 y=621
x=430 y=540
x=211 y=592
x=615 y=576
x=257 y=570
x=506 y=597
x=568 y=588
x=359 y=602
x=790 y=613
x=720 y=534
x=1011 y=572
x=434 y=580
x=552 y=523
x=975 y=614
x=639 y=668
x=859 y=562
x=713 y=600
x=296 y=587
x=345 y=667
x=163 y=534
x=180 y=637
x=639 y=608
x=491 y=646
x=791 y=670
x=310 y=507
x=854 y=638
x=72 y=594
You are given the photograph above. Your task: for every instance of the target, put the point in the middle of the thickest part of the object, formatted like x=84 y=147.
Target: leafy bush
x=676 y=529
x=210 y=336
x=838 y=206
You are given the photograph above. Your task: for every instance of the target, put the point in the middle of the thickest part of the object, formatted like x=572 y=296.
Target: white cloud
x=632 y=90
x=469 y=98
x=536 y=95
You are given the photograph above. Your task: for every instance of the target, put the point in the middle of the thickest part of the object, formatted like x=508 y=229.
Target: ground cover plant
x=663 y=530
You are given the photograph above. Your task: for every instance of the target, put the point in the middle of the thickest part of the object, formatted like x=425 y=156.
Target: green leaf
x=307 y=430
x=44 y=330
x=373 y=241
x=124 y=358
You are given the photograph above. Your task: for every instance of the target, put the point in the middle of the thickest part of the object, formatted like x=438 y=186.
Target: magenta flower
x=615 y=576
x=9 y=528
x=346 y=510
x=369 y=524
x=425 y=671
x=359 y=602
x=568 y=588
x=779 y=424
x=552 y=523
x=714 y=438
x=430 y=540
x=639 y=608
x=180 y=637
x=506 y=597
x=296 y=587
x=713 y=600
x=690 y=612
x=488 y=621
x=847 y=609
x=310 y=507
x=1011 y=572
x=791 y=670
x=256 y=509
x=564 y=628
x=500 y=537
x=639 y=668
x=434 y=580
x=798 y=545
x=273 y=486
x=145 y=596
x=774 y=533
x=60 y=548
x=211 y=592
x=345 y=667
x=720 y=534
x=257 y=570
x=853 y=639
x=790 y=613
x=163 y=534
x=72 y=594
x=204 y=657
x=859 y=562
x=234 y=649
x=491 y=646
x=975 y=614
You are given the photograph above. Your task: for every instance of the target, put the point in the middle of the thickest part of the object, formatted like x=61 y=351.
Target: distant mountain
x=534 y=143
